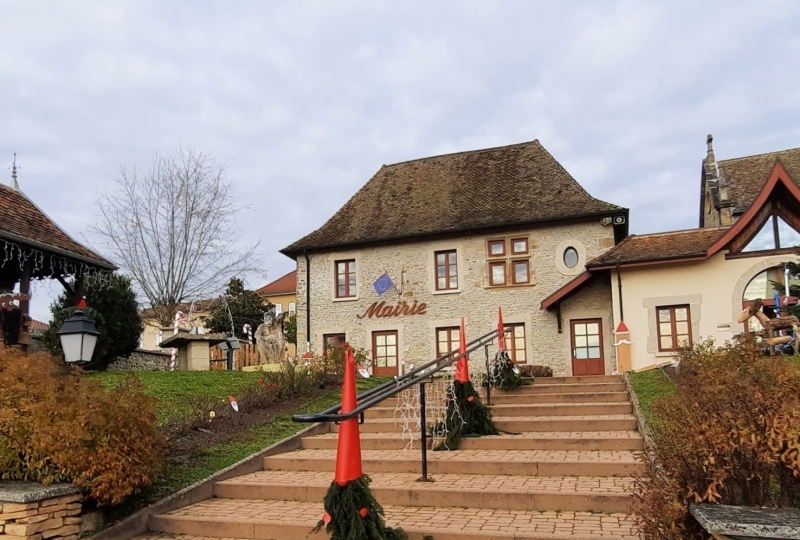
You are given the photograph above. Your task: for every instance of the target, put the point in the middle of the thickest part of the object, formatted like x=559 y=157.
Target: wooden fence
x=246 y=355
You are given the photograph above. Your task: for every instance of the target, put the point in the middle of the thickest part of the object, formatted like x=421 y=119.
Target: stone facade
x=140 y=360
x=56 y=517
x=412 y=268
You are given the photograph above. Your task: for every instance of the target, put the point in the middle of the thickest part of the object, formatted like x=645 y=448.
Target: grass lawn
x=206 y=461
x=650 y=386
x=793 y=360
x=175 y=390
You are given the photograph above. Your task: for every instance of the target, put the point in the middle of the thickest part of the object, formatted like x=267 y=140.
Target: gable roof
x=779 y=187
x=283 y=285
x=658 y=247
x=746 y=175
x=21 y=221
x=481 y=189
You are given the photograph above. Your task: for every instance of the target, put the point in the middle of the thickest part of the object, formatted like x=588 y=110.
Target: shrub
x=57 y=426
x=535 y=371
x=730 y=434
x=112 y=306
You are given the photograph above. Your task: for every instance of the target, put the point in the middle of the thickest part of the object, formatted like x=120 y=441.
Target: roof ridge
x=759 y=155
x=679 y=231
x=479 y=150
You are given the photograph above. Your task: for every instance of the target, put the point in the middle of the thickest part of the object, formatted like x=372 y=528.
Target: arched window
x=765 y=286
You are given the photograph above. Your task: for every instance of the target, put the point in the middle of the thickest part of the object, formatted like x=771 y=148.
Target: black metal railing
x=419 y=375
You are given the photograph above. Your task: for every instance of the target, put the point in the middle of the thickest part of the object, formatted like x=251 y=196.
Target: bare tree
x=173 y=229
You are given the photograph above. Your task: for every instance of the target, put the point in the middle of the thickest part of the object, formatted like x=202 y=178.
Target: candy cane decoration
x=179 y=318
x=248 y=331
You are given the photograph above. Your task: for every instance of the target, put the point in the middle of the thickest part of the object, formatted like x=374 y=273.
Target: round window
x=570 y=257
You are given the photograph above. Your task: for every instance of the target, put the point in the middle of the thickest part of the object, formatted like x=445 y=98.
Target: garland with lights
x=48 y=265
x=504 y=373
x=465 y=414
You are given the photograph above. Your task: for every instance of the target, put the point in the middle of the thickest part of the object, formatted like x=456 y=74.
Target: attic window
x=774 y=234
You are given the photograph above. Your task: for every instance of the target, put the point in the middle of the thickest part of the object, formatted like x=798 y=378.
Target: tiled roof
x=481 y=189
x=283 y=285
x=660 y=247
x=21 y=221
x=37 y=328
x=200 y=306
x=746 y=175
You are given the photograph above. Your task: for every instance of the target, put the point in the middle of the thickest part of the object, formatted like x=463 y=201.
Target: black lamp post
x=78 y=337
x=229 y=345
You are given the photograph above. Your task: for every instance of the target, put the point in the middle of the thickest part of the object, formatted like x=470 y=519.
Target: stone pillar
x=198 y=356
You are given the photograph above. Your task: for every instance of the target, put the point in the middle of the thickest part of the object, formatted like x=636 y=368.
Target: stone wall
x=411 y=266
x=55 y=517
x=140 y=360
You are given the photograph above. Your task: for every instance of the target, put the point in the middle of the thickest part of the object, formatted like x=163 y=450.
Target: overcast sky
x=306 y=100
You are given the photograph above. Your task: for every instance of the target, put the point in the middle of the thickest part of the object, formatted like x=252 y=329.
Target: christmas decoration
x=503 y=373
x=179 y=318
x=351 y=512
x=465 y=414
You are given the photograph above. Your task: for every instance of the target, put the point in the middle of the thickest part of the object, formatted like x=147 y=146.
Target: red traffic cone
x=348 y=452
x=81 y=303
x=462 y=365
x=501 y=337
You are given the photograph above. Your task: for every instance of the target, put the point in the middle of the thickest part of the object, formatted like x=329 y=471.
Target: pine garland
x=352 y=513
x=465 y=416
x=503 y=374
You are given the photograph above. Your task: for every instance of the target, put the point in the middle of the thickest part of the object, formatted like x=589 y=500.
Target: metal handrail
x=372 y=397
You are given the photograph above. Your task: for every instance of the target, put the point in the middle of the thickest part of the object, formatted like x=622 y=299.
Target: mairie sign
x=381 y=309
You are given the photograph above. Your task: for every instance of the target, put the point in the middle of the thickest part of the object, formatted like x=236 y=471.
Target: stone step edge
x=158 y=522
x=541 y=405
x=548 y=435
x=577 y=417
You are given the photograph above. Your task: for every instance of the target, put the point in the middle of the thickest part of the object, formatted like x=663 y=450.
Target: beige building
x=429 y=241
x=282 y=293
x=154 y=332
x=683 y=287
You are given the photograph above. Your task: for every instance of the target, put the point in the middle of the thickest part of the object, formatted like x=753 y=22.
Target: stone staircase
x=563 y=472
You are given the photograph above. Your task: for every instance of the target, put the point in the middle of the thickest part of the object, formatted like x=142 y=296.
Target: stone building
x=428 y=241
x=679 y=288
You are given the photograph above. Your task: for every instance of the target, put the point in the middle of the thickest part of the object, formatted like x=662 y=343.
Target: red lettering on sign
x=380 y=309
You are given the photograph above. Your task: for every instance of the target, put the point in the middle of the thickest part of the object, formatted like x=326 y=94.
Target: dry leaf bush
x=57 y=425
x=730 y=434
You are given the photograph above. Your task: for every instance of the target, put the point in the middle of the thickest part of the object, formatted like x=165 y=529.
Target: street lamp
x=228 y=346
x=78 y=337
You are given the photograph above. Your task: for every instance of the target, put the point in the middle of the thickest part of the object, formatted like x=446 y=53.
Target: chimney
x=14 y=184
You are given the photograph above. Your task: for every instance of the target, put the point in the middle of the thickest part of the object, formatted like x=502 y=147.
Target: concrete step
x=564 y=440
x=518 y=424
x=573 y=493
x=591 y=379
x=562 y=409
x=562 y=388
x=528 y=409
x=293 y=520
x=604 y=422
x=508 y=398
x=492 y=462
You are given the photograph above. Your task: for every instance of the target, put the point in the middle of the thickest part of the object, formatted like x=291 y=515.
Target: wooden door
x=587 y=347
x=384 y=353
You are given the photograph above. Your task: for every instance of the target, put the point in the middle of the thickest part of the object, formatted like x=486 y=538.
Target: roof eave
x=58 y=251
x=648 y=262
x=292 y=253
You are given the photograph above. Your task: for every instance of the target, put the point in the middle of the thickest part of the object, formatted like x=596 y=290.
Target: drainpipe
x=619 y=288
x=308 y=302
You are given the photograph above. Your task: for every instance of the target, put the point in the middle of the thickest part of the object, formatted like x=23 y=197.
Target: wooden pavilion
x=32 y=247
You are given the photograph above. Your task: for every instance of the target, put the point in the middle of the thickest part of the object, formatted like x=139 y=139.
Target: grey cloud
x=305 y=100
